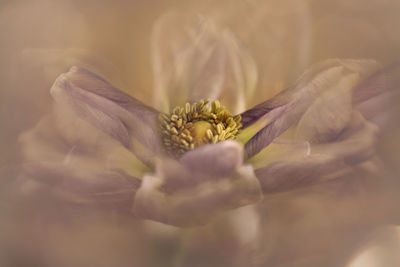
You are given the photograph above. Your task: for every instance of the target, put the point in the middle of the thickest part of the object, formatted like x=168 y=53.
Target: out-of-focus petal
x=313 y=87
x=182 y=196
x=206 y=163
x=354 y=145
x=56 y=139
x=215 y=159
x=330 y=112
x=193 y=59
x=278 y=149
x=377 y=96
x=384 y=80
x=74 y=167
x=60 y=183
x=241 y=78
x=252 y=115
x=119 y=115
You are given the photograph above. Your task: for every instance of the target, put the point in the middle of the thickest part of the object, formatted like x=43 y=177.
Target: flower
x=183 y=171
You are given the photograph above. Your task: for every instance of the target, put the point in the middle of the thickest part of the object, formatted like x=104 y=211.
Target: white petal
x=194 y=59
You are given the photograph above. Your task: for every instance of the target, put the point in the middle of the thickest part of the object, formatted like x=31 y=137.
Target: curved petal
x=117 y=114
x=107 y=183
x=203 y=183
x=382 y=110
x=110 y=188
x=206 y=163
x=382 y=81
x=193 y=59
x=355 y=145
x=315 y=88
x=377 y=96
x=195 y=205
x=75 y=168
x=326 y=117
x=214 y=159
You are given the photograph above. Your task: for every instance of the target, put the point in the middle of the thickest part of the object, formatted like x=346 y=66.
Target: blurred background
x=41 y=39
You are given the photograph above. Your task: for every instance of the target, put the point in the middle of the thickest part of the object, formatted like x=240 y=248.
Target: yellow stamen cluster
x=196 y=124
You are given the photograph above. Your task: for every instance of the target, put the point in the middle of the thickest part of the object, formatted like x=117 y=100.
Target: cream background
x=40 y=39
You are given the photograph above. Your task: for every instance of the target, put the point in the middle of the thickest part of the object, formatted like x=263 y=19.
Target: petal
x=117 y=114
x=63 y=182
x=382 y=110
x=377 y=96
x=43 y=142
x=206 y=163
x=73 y=170
x=195 y=205
x=355 y=145
x=214 y=159
x=241 y=77
x=281 y=148
x=329 y=113
x=383 y=80
x=56 y=140
x=281 y=119
x=193 y=59
x=288 y=95
x=288 y=107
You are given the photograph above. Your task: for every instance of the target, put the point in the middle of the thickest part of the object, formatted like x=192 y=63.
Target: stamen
x=196 y=124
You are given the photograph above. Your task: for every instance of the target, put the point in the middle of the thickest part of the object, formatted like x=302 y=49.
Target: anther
x=209 y=134
x=196 y=124
x=174 y=117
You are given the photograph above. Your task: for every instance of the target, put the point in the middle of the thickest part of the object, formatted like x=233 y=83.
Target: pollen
x=197 y=124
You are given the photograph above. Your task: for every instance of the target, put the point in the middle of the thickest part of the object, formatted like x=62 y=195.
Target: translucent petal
x=329 y=114
x=194 y=59
x=181 y=196
x=74 y=166
x=316 y=87
x=117 y=114
x=377 y=96
x=215 y=159
x=354 y=145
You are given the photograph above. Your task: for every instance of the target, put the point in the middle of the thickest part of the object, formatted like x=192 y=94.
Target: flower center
x=196 y=124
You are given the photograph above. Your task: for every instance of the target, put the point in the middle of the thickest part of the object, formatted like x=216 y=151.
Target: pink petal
x=117 y=114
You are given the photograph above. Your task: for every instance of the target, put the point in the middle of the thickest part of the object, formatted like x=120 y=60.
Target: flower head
x=197 y=124
x=200 y=159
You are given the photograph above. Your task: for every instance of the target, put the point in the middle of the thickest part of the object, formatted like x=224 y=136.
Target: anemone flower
x=200 y=152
